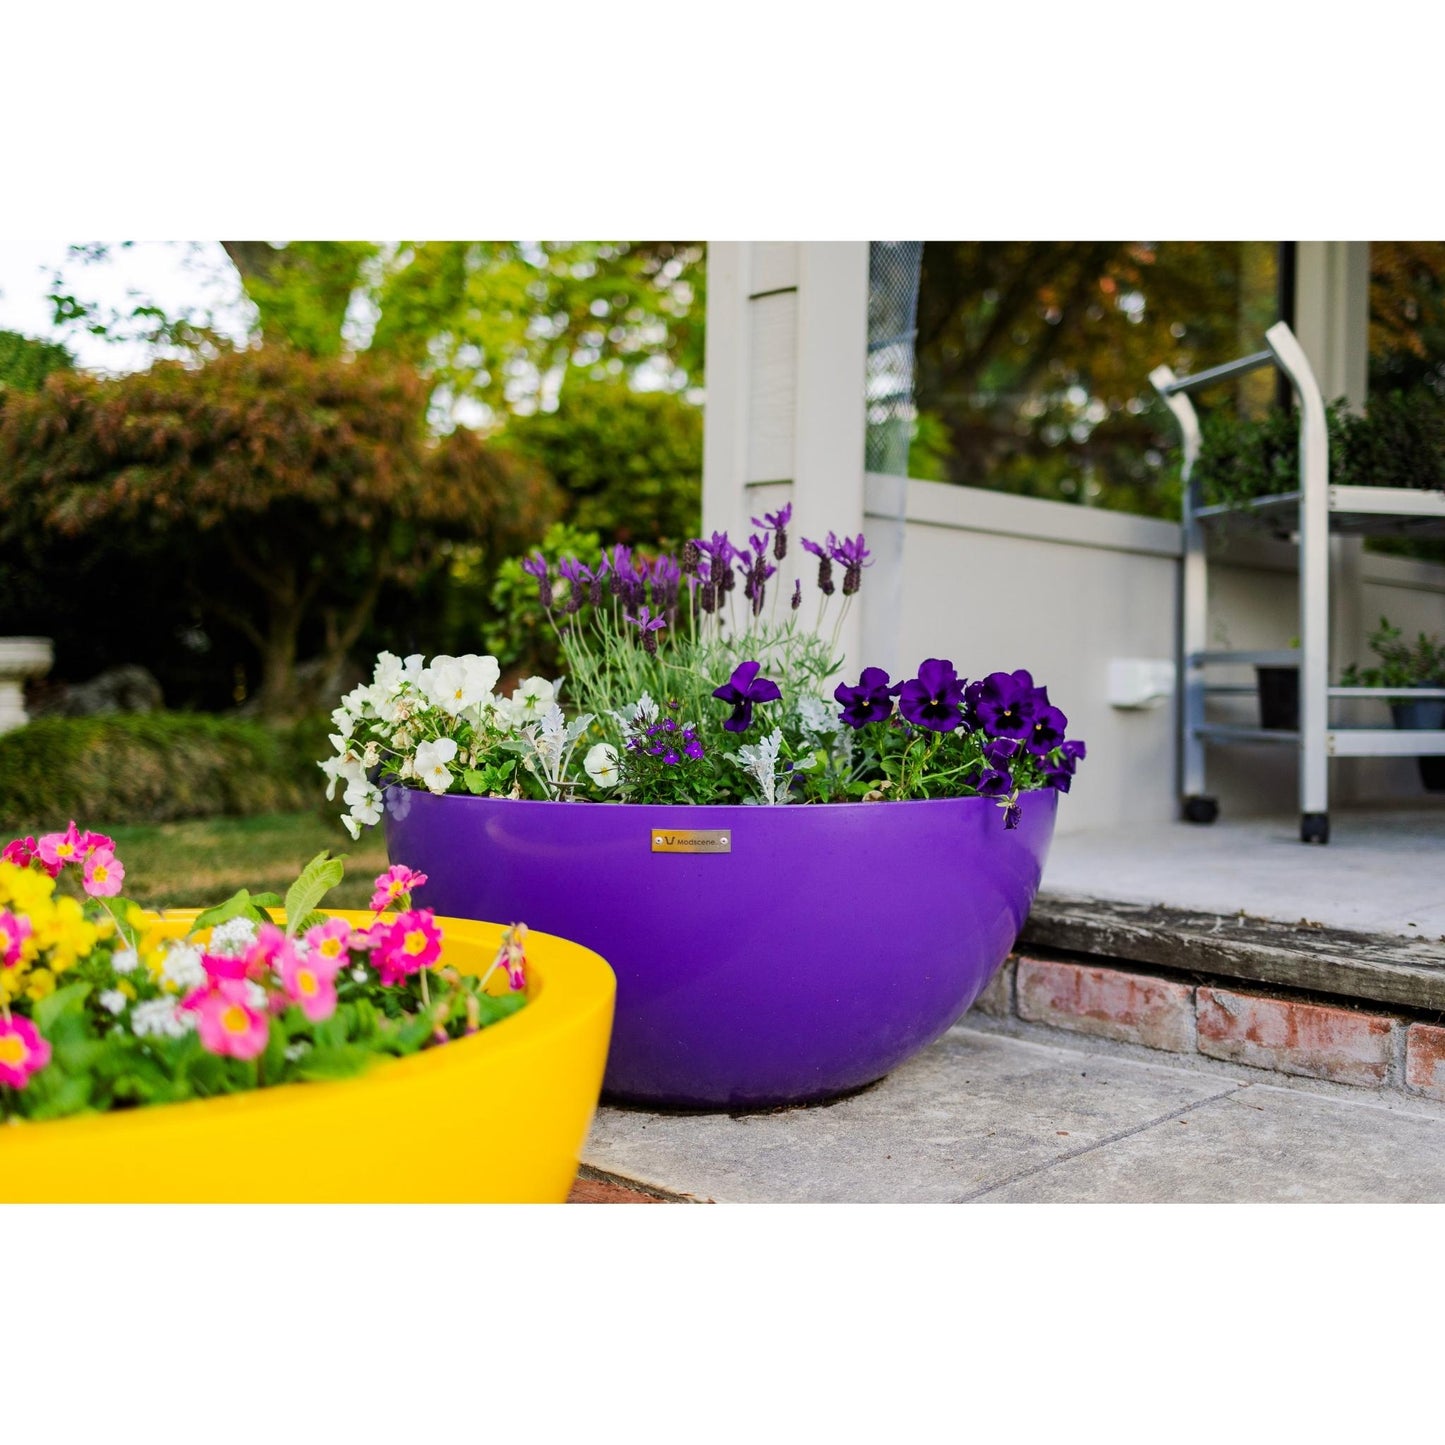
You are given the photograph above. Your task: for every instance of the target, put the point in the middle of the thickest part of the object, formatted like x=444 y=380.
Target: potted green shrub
x=1408 y=665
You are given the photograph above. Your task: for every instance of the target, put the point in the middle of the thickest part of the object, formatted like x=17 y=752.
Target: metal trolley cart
x=1312 y=513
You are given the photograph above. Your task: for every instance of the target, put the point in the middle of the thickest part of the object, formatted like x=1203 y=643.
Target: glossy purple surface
x=828 y=946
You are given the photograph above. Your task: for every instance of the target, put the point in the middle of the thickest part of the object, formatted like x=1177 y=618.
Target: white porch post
x=1332 y=322
x=787 y=341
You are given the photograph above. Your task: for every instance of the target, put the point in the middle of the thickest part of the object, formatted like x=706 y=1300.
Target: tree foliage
x=629 y=463
x=286 y=491
x=26 y=362
x=502 y=324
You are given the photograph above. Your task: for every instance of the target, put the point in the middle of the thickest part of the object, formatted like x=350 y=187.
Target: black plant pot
x=1424 y=716
x=1278 y=697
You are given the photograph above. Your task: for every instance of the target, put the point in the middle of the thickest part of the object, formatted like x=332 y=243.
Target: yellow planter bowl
x=498 y=1117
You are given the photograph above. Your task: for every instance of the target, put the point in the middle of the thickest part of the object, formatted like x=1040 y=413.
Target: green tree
x=504 y=324
x=286 y=491
x=629 y=463
x=26 y=362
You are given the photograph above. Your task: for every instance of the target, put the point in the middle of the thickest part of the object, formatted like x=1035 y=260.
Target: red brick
x=1295 y=1038
x=1108 y=1003
x=997 y=1000
x=1425 y=1060
x=600 y=1191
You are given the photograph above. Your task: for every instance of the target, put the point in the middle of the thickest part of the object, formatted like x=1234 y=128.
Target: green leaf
x=343 y=1061
x=475 y=782
x=67 y=1000
x=317 y=879
x=239 y=905
x=311 y=920
x=267 y=900
x=69 y=1095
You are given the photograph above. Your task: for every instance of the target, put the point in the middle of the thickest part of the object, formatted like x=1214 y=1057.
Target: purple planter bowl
x=830 y=944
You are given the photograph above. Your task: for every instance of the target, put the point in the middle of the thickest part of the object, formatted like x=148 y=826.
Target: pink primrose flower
x=22 y=1051
x=14 y=930
x=94 y=842
x=58 y=849
x=269 y=953
x=102 y=873
x=332 y=939
x=310 y=981
x=512 y=956
x=22 y=852
x=398 y=881
x=410 y=943
x=227 y=1021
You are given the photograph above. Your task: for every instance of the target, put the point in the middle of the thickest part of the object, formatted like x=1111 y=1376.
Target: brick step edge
x=1299 y=1036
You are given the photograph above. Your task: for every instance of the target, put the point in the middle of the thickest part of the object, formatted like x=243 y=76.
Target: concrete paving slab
x=1261 y=1145
x=1380 y=874
x=972 y=1112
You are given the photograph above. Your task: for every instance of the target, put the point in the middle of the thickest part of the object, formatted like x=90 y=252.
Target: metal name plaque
x=691 y=840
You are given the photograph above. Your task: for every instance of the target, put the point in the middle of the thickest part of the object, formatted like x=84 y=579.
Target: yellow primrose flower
x=42 y=984
x=24 y=890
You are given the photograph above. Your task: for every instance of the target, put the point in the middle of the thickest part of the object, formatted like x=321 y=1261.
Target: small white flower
x=431 y=764
x=294 y=1051
x=600 y=765
x=233 y=936
x=359 y=974
x=364 y=801
x=255 y=994
x=343 y=722
x=112 y=999
x=163 y=1017
x=183 y=970
x=124 y=960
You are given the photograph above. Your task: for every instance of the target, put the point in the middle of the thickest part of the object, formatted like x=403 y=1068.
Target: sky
x=190 y=277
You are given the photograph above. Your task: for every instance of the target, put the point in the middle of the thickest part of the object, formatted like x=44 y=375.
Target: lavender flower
x=621 y=569
x=580 y=576
x=649 y=626
x=797 y=601
x=851 y=555
x=825 y=565
x=934 y=698
x=536 y=566
x=870 y=701
x=742 y=690
x=777 y=523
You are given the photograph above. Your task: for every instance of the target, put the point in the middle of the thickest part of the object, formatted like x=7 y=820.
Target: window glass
x=1033 y=360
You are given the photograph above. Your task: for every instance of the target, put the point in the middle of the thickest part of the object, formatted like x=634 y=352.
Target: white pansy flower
x=124 y=960
x=112 y=999
x=345 y=769
x=456 y=683
x=600 y=765
x=432 y=759
x=387 y=676
x=531 y=698
x=343 y=722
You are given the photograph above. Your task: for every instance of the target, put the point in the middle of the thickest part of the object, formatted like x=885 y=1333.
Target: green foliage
x=628 y=463
x=287 y=493
x=25 y=362
x=153 y=768
x=522 y=639
x=1402 y=664
x=1399 y=441
x=316 y=880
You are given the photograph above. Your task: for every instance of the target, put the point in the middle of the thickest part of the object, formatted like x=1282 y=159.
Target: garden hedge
x=154 y=768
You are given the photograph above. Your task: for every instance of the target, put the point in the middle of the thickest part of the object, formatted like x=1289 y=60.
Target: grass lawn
x=196 y=864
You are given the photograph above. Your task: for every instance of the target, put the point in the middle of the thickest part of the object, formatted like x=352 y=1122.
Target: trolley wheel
x=1314 y=828
x=1200 y=810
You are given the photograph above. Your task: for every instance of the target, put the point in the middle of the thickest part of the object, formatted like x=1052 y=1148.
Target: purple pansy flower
x=934 y=698
x=742 y=690
x=992 y=783
x=870 y=701
x=1046 y=730
x=999 y=751
x=1005 y=704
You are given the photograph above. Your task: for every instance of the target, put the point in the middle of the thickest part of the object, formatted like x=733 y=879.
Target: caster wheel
x=1314 y=828
x=1201 y=810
